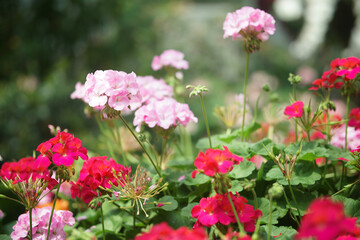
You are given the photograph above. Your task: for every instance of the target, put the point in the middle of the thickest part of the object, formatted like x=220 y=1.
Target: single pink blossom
x=294 y=110
x=170 y=58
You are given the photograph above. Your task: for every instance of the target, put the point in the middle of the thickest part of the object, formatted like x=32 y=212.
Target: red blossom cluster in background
x=342 y=70
x=96 y=172
x=215 y=161
x=164 y=232
x=325 y=220
x=217 y=209
x=354 y=118
x=62 y=149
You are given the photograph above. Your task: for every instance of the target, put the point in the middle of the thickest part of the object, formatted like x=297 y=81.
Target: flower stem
x=30 y=218
x=293 y=196
x=53 y=208
x=347 y=119
x=245 y=86
x=141 y=145
x=255 y=198
x=205 y=118
x=241 y=228
x=296 y=124
x=134 y=217
x=270 y=218
x=102 y=221
x=163 y=146
x=291 y=211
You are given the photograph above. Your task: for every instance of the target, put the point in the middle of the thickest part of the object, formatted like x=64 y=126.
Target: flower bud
x=294 y=79
x=276 y=190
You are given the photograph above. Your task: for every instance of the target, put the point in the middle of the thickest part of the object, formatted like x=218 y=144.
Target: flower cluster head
x=343 y=71
x=354 y=116
x=165 y=114
x=215 y=161
x=97 y=172
x=252 y=25
x=153 y=89
x=338 y=137
x=325 y=220
x=217 y=209
x=62 y=149
x=170 y=59
x=163 y=231
x=294 y=110
x=116 y=89
x=40 y=223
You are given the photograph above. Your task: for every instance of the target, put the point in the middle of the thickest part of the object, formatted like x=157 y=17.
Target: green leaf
x=199 y=179
x=113 y=223
x=264 y=206
x=304 y=173
x=309 y=151
x=258 y=147
x=283 y=233
x=200 y=191
x=186 y=211
x=252 y=127
x=169 y=202
x=242 y=170
x=4 y=237
x=351 y=206
x=236 y=186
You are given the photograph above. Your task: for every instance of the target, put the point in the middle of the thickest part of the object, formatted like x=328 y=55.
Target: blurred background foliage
x=47 y=46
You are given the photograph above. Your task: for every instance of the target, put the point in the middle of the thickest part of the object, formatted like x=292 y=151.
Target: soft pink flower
x=170 y=58
x=153 y=89
x=165 y=113
x=338 y=137
x=248 y=22
x=294 y=110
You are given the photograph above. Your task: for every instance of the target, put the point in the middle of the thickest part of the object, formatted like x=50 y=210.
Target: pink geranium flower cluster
x=294 y=110
x=24 y=169
x=249 y=23
x=338 y=137
x=217 y=209
x=215 y=161
x=170 y=58
x=153 y=89
x=116 y=88
x=62 y=149
x=40 y=223
x=96 y=172
x=342 y=70
x=165 y=113
x=163 y=231
x=325 y=220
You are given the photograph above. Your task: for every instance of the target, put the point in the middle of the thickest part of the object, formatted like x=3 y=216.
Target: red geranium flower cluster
x=97 y=171
x=294 y=110
x=354 y=116
x=162 y=231
x=325 y=220
x=344 y=69
x=215 y=161
x=62 y=149
x=25 y=169
x=218 y=209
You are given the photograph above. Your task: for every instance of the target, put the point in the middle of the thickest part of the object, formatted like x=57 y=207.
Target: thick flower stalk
x=40 y=224
x=165 y=232
x=98 y=173
x=218 y=209
x=325 y=219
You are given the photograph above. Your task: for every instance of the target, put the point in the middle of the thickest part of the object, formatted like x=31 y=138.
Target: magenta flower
x=252 y=25
x=165 y=113
x=170 y=58
x=153 y=89
x=40 y=223
x=294 y=110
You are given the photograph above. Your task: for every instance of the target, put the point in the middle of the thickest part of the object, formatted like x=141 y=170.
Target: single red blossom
x=96 y=172
x=295 y=110
x=217 y=209
x=230 y=235
x=62 y=149
x=163 y=231
x=325 y=220
x=215 y=161
x=354 y=116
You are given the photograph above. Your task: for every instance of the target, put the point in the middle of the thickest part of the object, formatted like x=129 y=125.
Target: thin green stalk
x=346 y=187
x=128 y=212
x=270 y=218
x=241 y=228
x=205 y=118
x=141 y=145
x=53 y=208
x=255 y=198
x=245 y=86
x=293 y=196
x=102 y=221
x=296 y=124
x=163 y=146
x=347 y=119
x=291 y=211
x=30 y=218
x=342 y=175
x=327 y=126
x=134 y=217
